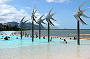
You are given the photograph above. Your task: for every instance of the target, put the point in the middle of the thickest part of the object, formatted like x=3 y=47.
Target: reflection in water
x=48 y=51
x=78 y=52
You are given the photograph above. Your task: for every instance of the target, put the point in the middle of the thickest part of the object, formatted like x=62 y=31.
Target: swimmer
x=6 y=38
x=65 y=41
x=16 y=37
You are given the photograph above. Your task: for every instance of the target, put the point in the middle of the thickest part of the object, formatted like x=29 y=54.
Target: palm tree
x=40 y=21
x=48 y=19
x=33 y=19
x=77 y=15
x=22 y=25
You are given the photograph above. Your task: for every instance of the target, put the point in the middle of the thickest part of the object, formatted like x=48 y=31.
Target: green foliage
x=9 y=28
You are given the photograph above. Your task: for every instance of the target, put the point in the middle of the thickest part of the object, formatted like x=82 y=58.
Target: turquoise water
x=26 y=41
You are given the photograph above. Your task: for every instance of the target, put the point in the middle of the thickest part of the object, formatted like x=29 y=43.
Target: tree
x=40 y=21
x=33 y=19
x=22 y=25
x=48 y=19
x=77 y=15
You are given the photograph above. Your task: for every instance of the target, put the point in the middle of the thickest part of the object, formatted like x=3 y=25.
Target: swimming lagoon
x=40 y=49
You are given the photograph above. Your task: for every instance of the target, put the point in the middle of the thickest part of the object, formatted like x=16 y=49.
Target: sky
x=15 y=10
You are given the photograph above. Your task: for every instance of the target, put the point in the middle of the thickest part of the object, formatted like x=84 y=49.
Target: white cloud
x=9 y=13
x=2 y=1
x=57 y=1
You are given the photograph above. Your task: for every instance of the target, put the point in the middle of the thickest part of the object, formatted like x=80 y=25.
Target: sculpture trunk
x=39 y=30
x=32 y=30
x=78 y=33
x=21 y=33
x=48 y=32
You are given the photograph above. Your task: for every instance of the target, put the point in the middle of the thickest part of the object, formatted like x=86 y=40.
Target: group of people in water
x=27 y=35
x=7 y=38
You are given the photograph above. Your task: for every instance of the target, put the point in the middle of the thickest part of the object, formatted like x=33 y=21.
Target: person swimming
x=16 y=37
x=65 y=41
x=6 y=38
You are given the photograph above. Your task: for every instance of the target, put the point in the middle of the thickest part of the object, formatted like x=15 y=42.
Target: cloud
x=9 y=13
x=57 y=1
x=2 y=1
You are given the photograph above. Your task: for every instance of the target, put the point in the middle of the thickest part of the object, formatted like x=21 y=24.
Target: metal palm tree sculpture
x=40 y=21
x=48 y=19
x=77 y=15
x=33 y=19
x=22 y=25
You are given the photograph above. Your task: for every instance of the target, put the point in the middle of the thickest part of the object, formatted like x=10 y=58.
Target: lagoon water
x=26 y=41
x=41 y=49
x=57 y=49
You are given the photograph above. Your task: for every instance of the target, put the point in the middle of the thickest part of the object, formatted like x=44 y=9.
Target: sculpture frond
x=85 y=16
x=41 y=16
x=79 y=13
x=53 y=19
x=50 y=11
x=51 y=23
x=52 y=14
x=82 y=4
x=80 y=20
x=40 y=20
x=83 y=22
x=33 y=16
x=22 y=19
x=43 y=22
x=85 y=9
x=25 y=21
x=22 y=23
x=49 y=17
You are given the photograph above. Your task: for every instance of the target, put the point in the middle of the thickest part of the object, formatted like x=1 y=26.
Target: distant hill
x=29 y=26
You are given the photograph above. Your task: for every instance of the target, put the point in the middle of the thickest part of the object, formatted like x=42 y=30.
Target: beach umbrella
x=77 y=15
x=22 y=25
x=40 y=22
x=33 y=19
x=48 y=19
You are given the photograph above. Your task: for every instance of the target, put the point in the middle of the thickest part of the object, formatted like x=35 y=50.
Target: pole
x=21 y=33
x=39 y=31
x=48 y=32
x=78 y=33
x=32 y=30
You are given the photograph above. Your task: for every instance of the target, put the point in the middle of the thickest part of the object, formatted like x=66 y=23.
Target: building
x=0 y=24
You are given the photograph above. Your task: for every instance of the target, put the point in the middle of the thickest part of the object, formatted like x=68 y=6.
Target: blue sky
x=64 y=9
